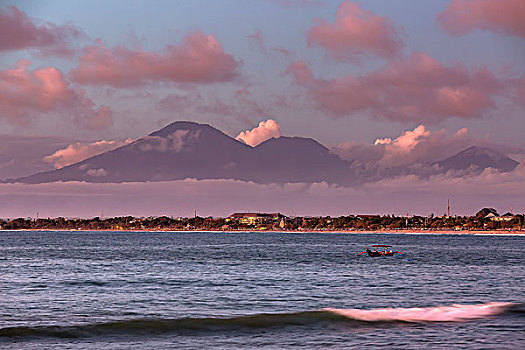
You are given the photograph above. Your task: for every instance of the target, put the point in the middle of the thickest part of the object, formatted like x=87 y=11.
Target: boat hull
x=376 y=254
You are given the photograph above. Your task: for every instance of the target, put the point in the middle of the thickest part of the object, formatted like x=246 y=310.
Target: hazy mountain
x=178 y=151
x=299 y=159
x=478 y=157
x=190 y=150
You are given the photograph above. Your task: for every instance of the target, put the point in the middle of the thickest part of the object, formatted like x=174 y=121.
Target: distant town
x=487 y=219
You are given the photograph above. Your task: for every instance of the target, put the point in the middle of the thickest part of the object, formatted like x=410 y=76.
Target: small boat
x=377 y=250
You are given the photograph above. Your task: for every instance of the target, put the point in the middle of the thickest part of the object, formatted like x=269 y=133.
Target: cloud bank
x=403 y=194
x=419 y=89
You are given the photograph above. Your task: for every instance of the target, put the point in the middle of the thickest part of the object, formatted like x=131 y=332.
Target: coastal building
x=257 y=218
x=506 y=217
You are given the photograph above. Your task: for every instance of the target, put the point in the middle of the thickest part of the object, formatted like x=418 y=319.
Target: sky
x=77 y=78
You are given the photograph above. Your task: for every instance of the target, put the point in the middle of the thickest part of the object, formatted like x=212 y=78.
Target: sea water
x=141 y=290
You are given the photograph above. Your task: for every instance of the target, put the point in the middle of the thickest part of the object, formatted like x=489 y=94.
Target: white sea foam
x=452 y=313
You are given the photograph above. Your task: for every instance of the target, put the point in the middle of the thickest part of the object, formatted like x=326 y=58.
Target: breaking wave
x=454 y=313
x=355 y=317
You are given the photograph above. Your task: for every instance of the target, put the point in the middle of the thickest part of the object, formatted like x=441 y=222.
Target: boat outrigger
x=380 y=252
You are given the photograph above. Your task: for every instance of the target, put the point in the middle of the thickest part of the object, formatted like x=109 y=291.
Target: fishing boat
x=376 y=250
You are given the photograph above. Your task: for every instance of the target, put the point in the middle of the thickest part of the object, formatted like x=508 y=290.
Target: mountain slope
x=300 y=159
x=190 y=150
x=480 y=158
x=178 y=151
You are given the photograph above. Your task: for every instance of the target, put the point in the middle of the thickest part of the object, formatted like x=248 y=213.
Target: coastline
x=403 y=232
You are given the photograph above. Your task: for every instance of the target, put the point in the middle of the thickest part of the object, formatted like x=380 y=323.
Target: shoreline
x=404 y=232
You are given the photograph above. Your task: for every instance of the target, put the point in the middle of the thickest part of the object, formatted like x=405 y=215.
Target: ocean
x=214 y=290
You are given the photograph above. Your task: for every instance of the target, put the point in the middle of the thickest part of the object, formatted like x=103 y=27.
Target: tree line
x=486 y=219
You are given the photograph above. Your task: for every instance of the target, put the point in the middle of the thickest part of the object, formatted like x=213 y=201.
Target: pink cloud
x=79 y=151
x=408 y=140
x=416 y=89
x=463 y=16
x=355 y=34
x=26 y=93
x=421 y=145
x=19 y=32
x=264 y=131
x=301 y=72
x=199 y=59
x=397 y=150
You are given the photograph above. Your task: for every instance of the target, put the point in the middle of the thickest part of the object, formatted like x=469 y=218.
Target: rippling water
x=93 y=290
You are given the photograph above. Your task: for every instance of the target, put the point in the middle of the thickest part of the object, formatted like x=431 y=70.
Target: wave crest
x=454 y=313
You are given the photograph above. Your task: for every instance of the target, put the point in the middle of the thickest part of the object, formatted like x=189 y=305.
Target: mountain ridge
x=191 y=150
x=480 y=157
x=186 y=149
